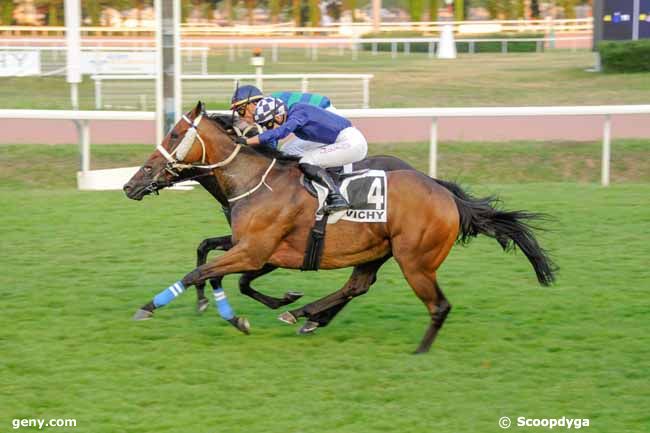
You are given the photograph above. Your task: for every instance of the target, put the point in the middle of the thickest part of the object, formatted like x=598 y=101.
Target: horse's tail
x=509 y=228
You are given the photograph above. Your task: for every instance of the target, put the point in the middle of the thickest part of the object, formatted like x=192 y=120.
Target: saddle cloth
x=366 y=191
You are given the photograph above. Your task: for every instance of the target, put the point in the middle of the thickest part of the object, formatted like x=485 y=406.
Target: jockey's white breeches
x=350 y=146
x=297 y=146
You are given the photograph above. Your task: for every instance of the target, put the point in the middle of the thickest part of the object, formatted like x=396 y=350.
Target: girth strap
x=315 y=245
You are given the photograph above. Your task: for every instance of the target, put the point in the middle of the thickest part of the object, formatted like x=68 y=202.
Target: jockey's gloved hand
x=241 y=140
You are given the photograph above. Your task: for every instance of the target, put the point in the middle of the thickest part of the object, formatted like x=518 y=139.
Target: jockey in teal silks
x=329 y=141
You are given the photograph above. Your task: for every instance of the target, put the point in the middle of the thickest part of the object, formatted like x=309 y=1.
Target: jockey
x=245 y=99
x=333 y=141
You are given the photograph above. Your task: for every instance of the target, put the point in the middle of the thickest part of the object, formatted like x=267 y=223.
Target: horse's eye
x=174 y=135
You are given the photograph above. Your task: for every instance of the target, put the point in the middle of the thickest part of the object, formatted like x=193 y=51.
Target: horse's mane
x=226 y=122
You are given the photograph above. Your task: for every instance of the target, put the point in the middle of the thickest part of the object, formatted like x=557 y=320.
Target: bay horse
x=272 y=214
x=316 y=318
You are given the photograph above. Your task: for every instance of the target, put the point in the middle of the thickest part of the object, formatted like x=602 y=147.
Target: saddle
x=365 y=190
x=338 y=174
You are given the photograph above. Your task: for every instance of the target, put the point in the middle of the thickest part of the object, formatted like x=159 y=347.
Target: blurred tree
x=93 y=10
x=6 y=12
x=521 y=9
x=314 y=13
x=459 y=10
x=350 y=6
x=274 y=10
x=229 y=11
x=534 y=9
x=250 y=11
x=569 y=8
x=492 y=7
x=433 y=10
x=296 y=12
x=416 y=7
x=186 y=9
x=54 y=11
x=206 y=10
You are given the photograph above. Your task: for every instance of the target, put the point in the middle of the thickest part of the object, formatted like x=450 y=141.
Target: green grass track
x=76 y=265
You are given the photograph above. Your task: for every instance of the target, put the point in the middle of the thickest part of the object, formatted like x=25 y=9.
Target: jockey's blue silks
x=169 y=294
x=223 y=306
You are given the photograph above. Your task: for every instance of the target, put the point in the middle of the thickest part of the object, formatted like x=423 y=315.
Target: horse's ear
x=199 y=108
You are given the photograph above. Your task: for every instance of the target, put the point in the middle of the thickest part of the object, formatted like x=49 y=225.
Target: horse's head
x=177 y=158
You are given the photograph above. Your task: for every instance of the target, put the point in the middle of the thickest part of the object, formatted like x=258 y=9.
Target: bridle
x=175 y=159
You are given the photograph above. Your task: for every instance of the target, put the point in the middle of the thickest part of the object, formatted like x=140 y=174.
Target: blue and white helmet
x=268 y=108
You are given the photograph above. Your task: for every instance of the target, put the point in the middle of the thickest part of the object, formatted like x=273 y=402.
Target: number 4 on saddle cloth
x=367 y=193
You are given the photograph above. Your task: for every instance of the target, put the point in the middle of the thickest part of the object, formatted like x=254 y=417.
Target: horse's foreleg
x=236 y=260
x=270 y=301
x=219 y=243
x=321 y=312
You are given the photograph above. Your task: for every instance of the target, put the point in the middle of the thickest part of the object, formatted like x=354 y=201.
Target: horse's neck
x=243 y=173
x=209 y=183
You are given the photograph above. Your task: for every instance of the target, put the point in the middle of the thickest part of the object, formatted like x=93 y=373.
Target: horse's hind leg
x=270 y=301
x=419 y=266
x=439 y=308
x=320 y=312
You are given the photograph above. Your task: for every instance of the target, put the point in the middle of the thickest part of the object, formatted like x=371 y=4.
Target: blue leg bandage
x=225 y=310
x=166 y=296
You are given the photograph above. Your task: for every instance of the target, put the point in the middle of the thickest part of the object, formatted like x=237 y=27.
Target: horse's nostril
x=127 y=188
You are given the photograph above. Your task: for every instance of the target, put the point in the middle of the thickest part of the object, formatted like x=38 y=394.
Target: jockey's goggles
x=241 y=109
x=269 y=124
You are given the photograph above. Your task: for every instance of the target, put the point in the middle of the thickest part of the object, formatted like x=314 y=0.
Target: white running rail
x=81 y=118
x=136 y=91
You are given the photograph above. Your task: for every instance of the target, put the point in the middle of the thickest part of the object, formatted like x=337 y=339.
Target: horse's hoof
x=287 y=317
x=202 y=305
x=242 y=324
x=292 y=296
x=308 y=327
x=142 y=314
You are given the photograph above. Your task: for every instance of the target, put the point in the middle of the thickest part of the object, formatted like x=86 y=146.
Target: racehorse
x=316 y=318
x=272 y=214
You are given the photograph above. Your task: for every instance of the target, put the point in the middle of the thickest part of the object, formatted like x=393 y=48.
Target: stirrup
x=337 y=204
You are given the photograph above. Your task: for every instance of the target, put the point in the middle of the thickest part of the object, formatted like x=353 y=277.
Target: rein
x=174 y=159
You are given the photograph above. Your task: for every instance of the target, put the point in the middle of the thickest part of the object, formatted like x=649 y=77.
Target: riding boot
x=335 y=201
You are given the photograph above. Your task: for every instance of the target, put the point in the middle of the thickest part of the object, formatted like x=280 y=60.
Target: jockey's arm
x=272 y=135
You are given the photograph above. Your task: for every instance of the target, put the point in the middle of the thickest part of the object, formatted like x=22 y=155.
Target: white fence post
x=274 y=53
x=393 y=50
x=231 y=53
x=433 y=148
x=84 y=142
x=98 y=93
x=304 y=85
x=204 y=62
x=366 y=92
x=607 y=130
